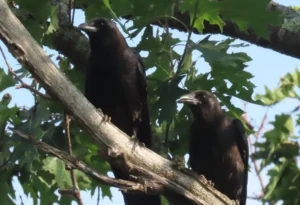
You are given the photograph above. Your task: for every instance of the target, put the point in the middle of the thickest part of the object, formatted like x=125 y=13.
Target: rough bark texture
x=284 y=39
x=112 y=142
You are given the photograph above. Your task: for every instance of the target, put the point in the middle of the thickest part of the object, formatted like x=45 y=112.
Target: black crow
x=116 y=84
x=218 y=145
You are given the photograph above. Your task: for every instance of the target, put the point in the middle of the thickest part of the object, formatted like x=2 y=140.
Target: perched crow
x=218 y=145
x=116 y=84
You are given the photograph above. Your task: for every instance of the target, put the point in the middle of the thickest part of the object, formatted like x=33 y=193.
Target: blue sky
x=267 y=66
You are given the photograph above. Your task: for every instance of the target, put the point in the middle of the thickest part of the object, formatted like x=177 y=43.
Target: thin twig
x=129 y=186
x=252 y=148
x=256 y=167
x=21 y=198
x=71 y=15
x=70 y=9
x=255 y=197
x=76 y=191
x=166 y=29
x=23 y=85
x=67 y=134
x=174 y=19
x=170 y=49
x=167 y=134
x=261 y=127
x=262 y=124
x=189 y=38
x=98 y=196
x=295 y=109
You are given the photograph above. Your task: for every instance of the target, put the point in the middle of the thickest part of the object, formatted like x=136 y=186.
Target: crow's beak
x=87 y=28
x=189 y=99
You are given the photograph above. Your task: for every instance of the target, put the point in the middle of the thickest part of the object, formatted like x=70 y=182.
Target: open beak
x=189 y=99
x=87 y=28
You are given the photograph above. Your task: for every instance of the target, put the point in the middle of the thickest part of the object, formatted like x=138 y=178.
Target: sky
x=267 y=66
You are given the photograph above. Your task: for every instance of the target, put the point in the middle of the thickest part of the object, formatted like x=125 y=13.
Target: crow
x=218 y=146
x=116 y=83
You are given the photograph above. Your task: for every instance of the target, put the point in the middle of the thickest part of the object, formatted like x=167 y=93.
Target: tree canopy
x=173 y=69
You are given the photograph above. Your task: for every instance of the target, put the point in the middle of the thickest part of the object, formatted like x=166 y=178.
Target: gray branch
x=74 y=163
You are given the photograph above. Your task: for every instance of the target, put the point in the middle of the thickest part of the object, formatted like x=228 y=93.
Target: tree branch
x=112 y=143
x=76 y=191
x=68 y=40
x=76 y=164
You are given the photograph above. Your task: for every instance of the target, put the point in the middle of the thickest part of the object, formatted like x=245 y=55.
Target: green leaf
x=152 y=8
x=57 y=168
x=164 y=201
x=53 y=26
x=105 y=191
x=216 y=54
x=5 y=190
x=169 y=92
x=187 y=62
x=285 y=90
x=46 y=191
x=276 y=174
x=229 y=67
x=40 y=9
x=179 y=146
x=96 y=8
x=284 y=123
x=241 y=12
x=207 y=10
x=284 y=183
x=6 y=81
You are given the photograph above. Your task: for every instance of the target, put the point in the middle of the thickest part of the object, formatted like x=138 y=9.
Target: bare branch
x=76 y=164
x=262 y=124
x=74 y=10
x=68 y=39
x=252 y=148
x=258 y=198
x=76 y=190
x=189 y=37
x=256 y=167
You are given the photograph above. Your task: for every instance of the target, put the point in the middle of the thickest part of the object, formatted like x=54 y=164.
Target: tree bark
x=113 y=143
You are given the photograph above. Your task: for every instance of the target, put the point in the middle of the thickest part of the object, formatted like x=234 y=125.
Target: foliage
x=40 y=174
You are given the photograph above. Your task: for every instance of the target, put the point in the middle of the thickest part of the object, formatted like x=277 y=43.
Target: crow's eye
x=101 y=24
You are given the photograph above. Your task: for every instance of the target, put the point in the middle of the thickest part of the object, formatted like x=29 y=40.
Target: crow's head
x=203 y=104
x=102 y=32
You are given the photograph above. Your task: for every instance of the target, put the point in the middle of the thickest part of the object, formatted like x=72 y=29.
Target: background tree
x=175 y=62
